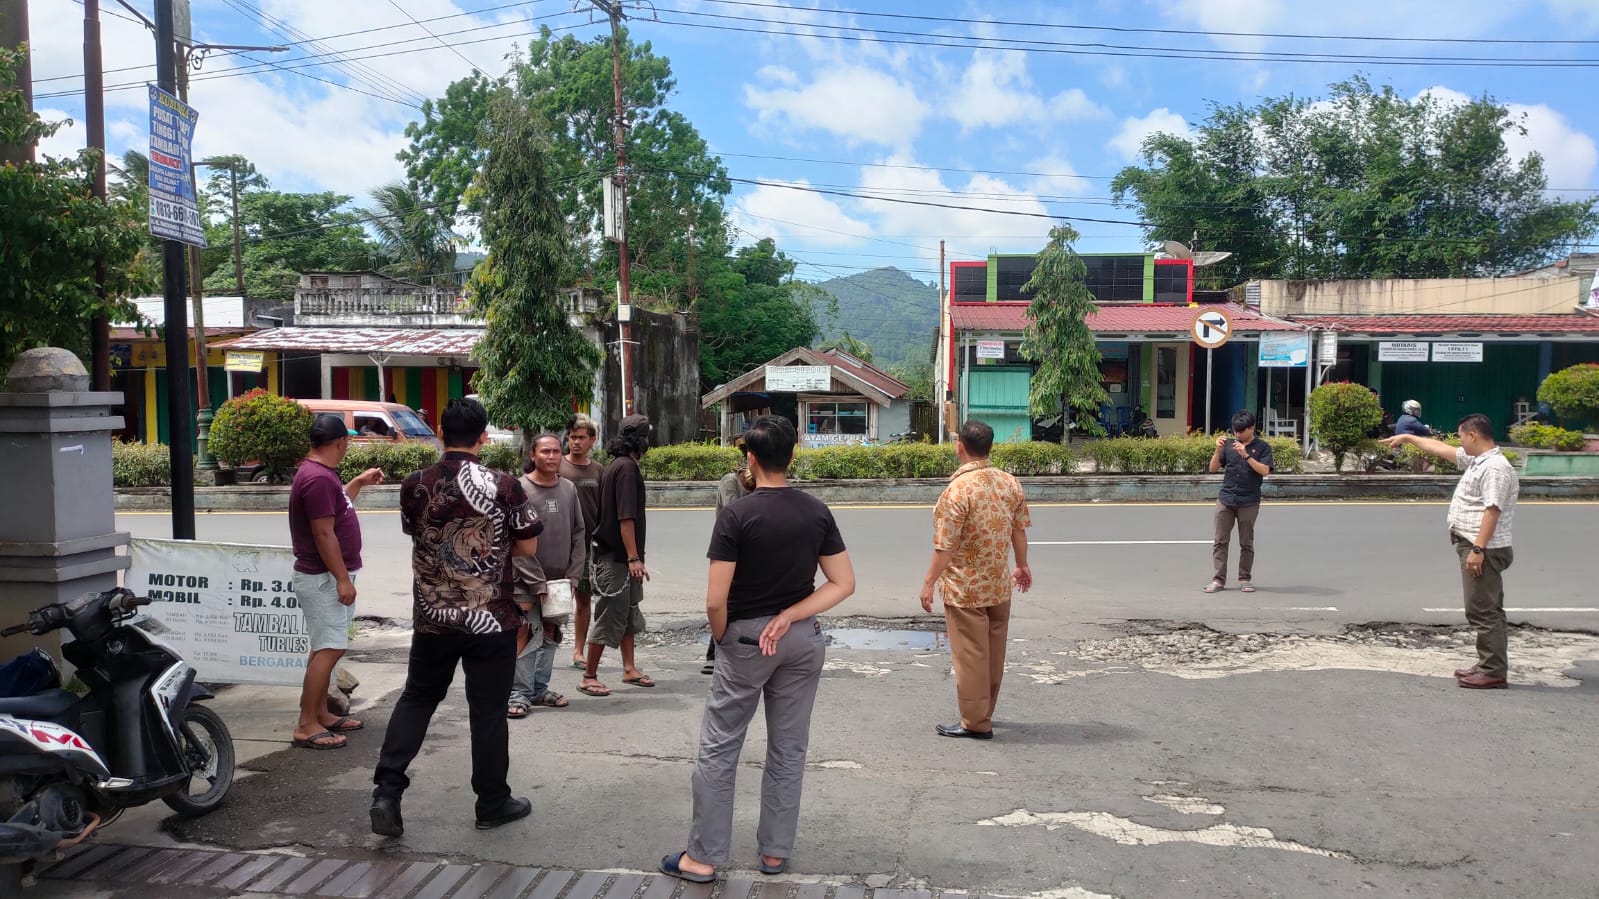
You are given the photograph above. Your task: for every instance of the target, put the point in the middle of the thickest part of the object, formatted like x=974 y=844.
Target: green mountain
x=893 y=313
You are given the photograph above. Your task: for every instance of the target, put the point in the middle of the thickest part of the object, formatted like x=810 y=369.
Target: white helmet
x=1410 y=407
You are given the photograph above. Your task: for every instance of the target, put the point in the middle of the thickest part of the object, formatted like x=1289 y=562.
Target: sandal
x=597 y=689
x=552 y=700
x=672 y=865
x=322 y=741
x=345 y=725
x=516 y=711
x=1215 y=587
x=643 y=680
x=579 y=665
x=1246 y=587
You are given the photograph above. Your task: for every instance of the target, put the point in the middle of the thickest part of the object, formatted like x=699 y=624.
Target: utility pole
x=94 y=114
x=172 y=258
x=941 y=396
x=13 y=34
x=624 y=292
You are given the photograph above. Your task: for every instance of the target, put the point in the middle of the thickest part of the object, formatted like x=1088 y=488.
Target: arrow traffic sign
x=1211 y=328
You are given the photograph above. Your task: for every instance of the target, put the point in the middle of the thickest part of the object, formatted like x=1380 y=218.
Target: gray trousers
x=1485 y=605
x=744 y=676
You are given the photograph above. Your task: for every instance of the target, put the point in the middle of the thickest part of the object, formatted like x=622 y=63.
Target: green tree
x=1363 y=184
x=285 y=234
x=918 y=375
x=412 y=236
x=1058 y=337
x=534 y=362
x=676 y=188
x=848 y=343
x=53 y=234
x=1573 y=393
x=753 y=310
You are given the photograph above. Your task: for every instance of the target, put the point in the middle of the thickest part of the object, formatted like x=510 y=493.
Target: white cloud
x=1228 y=15
x=802 y=215
x=859 y=104
x=1129 y=141
x=993 y=91
x=963 y=215
x=67 y=141
x=1579 y=13
x=1072 y=105
x=1057 y=178
x=1570 y=156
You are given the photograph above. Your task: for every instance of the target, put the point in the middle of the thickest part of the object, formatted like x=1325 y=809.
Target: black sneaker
x=512 y=809
x=386 y=817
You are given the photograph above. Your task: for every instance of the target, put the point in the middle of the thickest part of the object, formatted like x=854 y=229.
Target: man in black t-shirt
x=617 y=560
x=762 y=601
x=1247 y=460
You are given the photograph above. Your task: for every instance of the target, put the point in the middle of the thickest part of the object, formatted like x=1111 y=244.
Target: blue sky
x=991 y=131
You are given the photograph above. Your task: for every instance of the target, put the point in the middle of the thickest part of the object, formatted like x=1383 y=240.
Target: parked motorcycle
x=69 y=765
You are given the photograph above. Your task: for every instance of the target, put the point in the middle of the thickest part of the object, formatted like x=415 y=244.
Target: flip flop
x=1214 y=587
x=596 y=690
x=516 y=711
x=670 y=866
x=643 y=680
x=346 y=725
x=579 y=666
x=321 y=741
x=1246 y=587
x=552 y=700
x=778 y=868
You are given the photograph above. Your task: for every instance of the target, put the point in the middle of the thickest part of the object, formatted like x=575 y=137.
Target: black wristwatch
x=635 y=559
x=1477 y=550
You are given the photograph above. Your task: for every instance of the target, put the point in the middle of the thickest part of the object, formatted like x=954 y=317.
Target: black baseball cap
x=635 y=424
x=328 y=428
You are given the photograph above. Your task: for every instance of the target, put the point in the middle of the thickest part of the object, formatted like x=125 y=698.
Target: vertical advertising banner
x=174 y=211
x=228 y=609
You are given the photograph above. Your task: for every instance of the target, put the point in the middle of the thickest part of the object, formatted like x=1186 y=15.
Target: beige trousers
x=977 y=648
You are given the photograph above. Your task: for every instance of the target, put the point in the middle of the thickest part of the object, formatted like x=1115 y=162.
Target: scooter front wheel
x=208 y=750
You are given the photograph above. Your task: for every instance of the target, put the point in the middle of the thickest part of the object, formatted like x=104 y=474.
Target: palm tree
x=415 y=239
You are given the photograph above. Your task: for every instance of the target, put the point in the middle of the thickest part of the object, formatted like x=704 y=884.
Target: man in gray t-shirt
x=560 y=555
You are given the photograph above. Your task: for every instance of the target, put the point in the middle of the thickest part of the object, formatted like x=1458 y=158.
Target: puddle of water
x=867 y=638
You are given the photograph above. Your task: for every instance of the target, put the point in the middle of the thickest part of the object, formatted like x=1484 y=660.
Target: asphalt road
x=1152 y=741
x=1317 y=564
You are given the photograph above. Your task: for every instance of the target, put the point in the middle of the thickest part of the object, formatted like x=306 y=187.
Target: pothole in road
x=868 y=638
x=1193 y=651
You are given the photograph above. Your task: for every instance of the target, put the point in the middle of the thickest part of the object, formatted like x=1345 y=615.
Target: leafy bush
x=500 y=457
x=259 y=427
x=690 y=462
x=1341 y=416
x=140 y=465
x=1548 y=437
x=1414 y=458
x=1178 y=455
x=897 y=460
x=1573 y=392
x=1034 y=458
x=395 y=459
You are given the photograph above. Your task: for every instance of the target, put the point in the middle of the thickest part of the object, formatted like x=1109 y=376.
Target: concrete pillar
x=58 y=539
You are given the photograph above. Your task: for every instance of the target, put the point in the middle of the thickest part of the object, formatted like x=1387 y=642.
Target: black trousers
x=489 y=661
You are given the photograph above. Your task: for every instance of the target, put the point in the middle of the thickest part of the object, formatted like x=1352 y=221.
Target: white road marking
x=1119 y=542
x=1535 y=609
x=1309 y=609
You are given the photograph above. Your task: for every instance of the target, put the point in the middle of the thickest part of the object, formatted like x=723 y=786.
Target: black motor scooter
x=69 y=765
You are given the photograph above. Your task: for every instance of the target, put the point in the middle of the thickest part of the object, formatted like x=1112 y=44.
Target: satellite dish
x=1177 y=251
x=1209 y=257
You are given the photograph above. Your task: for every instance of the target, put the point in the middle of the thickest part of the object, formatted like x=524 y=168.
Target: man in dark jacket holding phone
x=1246 y=458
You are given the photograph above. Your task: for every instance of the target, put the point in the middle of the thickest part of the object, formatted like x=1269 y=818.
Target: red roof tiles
x=1129 y=318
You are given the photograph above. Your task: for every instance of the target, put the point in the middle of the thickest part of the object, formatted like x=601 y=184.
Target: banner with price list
x=228 y=608
x=174 y=212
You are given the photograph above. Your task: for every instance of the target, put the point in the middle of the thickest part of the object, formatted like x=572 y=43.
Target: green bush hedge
x=708 y=462
x=1539 y=436
x=502 y=457
x=1573 y=392
x=1177 y=455
x=140 y=464
x=395 y=459
x=1413 y=458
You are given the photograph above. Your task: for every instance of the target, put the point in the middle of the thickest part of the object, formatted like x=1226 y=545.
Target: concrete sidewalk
x=1133 y=759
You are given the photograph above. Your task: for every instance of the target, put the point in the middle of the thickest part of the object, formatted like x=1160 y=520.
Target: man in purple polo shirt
x=327 y=554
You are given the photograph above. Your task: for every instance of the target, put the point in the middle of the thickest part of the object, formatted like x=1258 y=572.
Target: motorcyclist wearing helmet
x=1410 y=422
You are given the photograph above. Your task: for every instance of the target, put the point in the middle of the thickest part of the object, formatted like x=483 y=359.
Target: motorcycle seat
x=46 y=706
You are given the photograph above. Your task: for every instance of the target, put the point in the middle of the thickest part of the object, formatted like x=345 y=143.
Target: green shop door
x=998 y=397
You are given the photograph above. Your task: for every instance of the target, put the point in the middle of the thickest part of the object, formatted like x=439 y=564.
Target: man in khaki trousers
x=980 y=519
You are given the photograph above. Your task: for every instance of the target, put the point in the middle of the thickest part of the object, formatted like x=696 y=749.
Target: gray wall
x=667 y=380
x=896 y=419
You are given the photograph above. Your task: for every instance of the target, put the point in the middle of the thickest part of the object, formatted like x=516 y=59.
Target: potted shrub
x=258 y=428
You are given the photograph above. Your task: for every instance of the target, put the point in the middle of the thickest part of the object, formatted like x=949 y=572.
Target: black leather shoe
x=955 y=730
x=513 y=809
x=386 y=817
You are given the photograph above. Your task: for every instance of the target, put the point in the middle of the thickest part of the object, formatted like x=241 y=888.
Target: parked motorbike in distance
x=69 y=765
